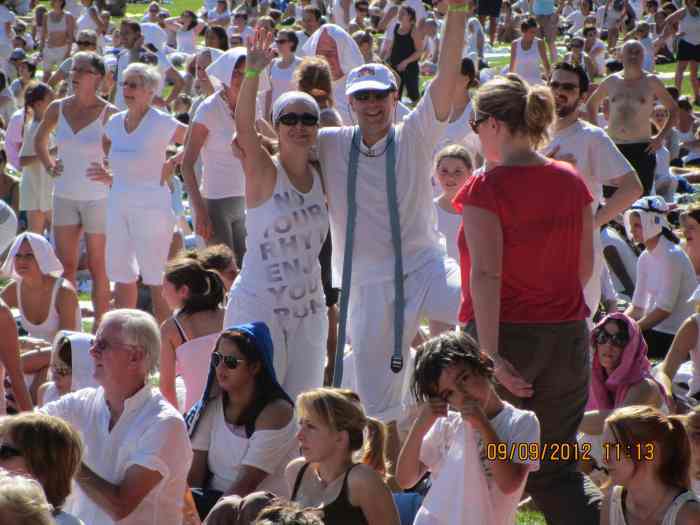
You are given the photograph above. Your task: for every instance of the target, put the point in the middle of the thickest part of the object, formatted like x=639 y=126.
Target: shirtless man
x=632 y=94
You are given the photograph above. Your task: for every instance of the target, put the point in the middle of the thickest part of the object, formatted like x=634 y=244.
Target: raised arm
x=443 y=85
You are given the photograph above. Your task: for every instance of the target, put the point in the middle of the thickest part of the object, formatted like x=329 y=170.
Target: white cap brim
x=369 y=85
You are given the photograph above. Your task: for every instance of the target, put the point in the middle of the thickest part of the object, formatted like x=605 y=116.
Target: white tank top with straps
x=56 y=27
x=47 y=329
x=285 y=235
x=617 y=514
x=689 y=27
x=77 y=151
x=527 y=62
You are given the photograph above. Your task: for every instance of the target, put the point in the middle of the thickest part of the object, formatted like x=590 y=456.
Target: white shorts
x=35 y=189
x=138 y=242
x=54 y=56
x=299 y=343
x=432 y=291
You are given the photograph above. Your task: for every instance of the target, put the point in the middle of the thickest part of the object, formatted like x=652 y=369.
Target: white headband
x=292 y=97
x=652 y=215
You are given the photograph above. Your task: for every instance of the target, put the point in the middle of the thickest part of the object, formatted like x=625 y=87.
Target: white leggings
x=299 y=345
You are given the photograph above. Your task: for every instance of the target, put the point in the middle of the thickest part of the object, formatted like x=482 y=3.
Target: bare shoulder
x=67 y=290
x=275 y=416
x=292 y=470
x=364 y=479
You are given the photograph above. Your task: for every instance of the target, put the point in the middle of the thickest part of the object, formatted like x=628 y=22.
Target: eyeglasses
x=292 y=119
x=231 y=361
x=9 y=452
x=564 y=86
x=601 y=337
x=100 y=345
x=475 y=123
x=364 y=96
x=85 y=43
x=29 y=255
x=132 y=85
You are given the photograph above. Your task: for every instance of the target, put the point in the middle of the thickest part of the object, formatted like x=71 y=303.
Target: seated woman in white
x=621 y=376
x=243 y=429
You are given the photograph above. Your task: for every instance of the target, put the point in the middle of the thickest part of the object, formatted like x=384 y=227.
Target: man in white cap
x=394 y=272
x=9 y=342
x=133 y=41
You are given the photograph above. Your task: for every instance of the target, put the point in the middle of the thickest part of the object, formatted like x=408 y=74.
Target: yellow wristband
x=251 y=73
x=454 y=8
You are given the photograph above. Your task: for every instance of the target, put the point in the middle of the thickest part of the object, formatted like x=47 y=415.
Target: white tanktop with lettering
x=285 y=235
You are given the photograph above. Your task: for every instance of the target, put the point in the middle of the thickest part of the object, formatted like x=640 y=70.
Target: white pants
x=432 y=291
x=299 y=343
x=54 y=56
x=138 y=242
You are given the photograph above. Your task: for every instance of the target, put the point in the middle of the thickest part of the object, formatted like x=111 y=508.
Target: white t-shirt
x=149 y=433
x=609 y=237
x=373 y=253
x=222 y=172
x=448 y=226
x=280 y=80
x=228 y=447
x=576 y=19
x=513 y=426
x=339 y=13
x=137 y=158
x=6 y=16
x=666 y=280
x=460 y=132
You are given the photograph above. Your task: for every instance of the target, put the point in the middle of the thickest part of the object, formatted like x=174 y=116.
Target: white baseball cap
x=371 y=77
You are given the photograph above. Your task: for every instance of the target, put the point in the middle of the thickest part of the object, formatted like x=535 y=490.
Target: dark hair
x=621 y=324
x=3 y=80
x=411 y=12
x=291 y=36
x=673 y=91
x=206 y=291
x=133 y=25
x=583 y=80
x=240 y=13
x=313 y=76
x=192 y=15
x=36 y=92
x=587 y=30
x=614 y=66
x=442 y=352
x=221 y=36
x=314 y=10
x=528 y=23
x=216 y=257
x=95 y=60
x=267 y=389
x=283 y=512
x=467 y=69
x=64 y=350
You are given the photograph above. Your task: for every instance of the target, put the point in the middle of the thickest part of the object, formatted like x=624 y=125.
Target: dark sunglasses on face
x=9 y=452
x=564 y=86
x=364 y=96
x=475 y=123
x=231 y=361
x=292 y=119
x=84 y=43
x=280 y=41
x=619 y=339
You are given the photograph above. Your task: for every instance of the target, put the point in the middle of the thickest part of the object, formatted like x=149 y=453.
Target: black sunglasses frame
x=230 y=361
x=292 y=119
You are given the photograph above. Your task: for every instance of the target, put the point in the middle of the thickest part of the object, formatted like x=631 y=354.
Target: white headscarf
x=292 y=97
x=82 y=364
x=222 y=68
x=43 y=253
x=8 y=226
x=652 y=214
x=349 y=54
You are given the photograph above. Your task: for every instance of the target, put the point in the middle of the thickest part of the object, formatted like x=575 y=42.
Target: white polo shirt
x=150 y=433
x=373 y=253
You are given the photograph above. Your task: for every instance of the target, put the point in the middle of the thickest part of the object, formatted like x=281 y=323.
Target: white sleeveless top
x=56 y=27
x=192 y=364
x=77 y=151
x=282 y=79
x=527 y=63
x=85 y=21
x=617 y=515
x=694 y=383
x=285 y=235
x=689 y=26
x=51 y=393
x=448 y=224
x=46 y=330
x=186 y=41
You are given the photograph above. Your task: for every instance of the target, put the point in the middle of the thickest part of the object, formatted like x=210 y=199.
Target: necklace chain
x=369 y=153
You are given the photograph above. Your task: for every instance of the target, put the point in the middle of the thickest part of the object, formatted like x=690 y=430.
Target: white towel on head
x=43 y=253
x=82 y=364
x=349 y=54
x=222 y=68
x=652 y=214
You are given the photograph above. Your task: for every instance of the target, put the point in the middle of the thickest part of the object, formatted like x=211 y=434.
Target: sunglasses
x=132 y=85
x=364 y=96
x=231 y=361
x=292 y=119
x=9 y=452
x=85 y=43
x=564 y=86
x=477 y=122
x=60 y=371
x=602 y=337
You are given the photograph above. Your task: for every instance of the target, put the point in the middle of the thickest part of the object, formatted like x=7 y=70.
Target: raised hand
x=259 y=50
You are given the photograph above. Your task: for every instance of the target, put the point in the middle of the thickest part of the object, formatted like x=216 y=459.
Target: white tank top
x=285 y=235
x=51 y=393
x=56 y=27
x=690 y=27
x=85 y=21
x=282 y=79
x=617 y=515
x=448 y=225
x=527 y=62
x=46 y=330
x=694 y=383
x=186 y=41
x=77 y=151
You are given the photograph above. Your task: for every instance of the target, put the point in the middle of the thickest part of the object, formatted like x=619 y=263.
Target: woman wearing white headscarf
x=665 y=276
x=287 y=221
x=46 y=301
x=218 y=204
x=342 y=53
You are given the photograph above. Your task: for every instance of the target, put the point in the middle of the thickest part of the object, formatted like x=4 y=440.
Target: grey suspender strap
x=396 y=363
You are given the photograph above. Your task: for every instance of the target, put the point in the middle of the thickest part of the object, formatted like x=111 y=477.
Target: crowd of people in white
x=345 y=269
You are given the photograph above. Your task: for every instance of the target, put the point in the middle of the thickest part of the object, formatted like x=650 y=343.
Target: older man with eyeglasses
x=137 y=453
